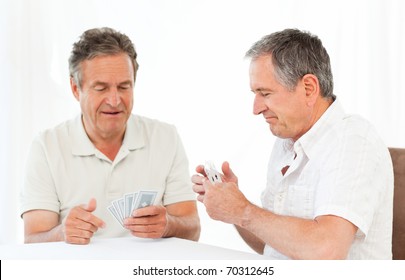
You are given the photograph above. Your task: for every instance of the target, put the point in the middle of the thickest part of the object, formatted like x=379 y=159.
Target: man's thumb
x=91 y=206
x=228 y=173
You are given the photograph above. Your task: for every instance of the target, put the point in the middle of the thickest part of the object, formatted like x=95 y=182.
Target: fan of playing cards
x=122 y=208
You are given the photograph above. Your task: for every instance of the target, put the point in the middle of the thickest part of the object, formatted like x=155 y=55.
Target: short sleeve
x=38 y=190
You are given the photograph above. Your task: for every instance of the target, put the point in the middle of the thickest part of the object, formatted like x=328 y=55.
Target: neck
x=108 y=144
x=318 y=110
x=109 y=148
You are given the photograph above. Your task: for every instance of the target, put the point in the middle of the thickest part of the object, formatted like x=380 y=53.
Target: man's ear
x=312 y=89
x=75 y=88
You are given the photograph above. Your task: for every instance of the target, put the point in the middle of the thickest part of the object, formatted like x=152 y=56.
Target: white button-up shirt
x=339 y=167
x=64 y=169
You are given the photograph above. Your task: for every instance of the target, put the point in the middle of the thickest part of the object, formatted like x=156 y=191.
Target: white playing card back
x=212 y=173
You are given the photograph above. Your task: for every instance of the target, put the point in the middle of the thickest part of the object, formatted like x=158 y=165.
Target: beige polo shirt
x=64 y=169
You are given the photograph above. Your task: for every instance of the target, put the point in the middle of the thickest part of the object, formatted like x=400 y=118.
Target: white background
x=192 y=74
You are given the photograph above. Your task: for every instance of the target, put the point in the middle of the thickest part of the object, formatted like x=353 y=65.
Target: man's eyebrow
x=126 y=82
x=260 y=89
x=99 y=83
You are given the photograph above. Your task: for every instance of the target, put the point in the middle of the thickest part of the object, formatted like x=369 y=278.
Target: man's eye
x=125 y=87
x=99 y=88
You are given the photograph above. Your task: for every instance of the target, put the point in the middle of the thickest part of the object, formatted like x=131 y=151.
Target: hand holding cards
x=212 y=173
x=122 y=208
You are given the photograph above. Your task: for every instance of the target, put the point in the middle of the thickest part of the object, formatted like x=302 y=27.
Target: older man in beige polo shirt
x=74 y=171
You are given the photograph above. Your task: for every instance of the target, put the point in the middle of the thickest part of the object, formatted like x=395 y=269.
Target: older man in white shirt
x=329 y=191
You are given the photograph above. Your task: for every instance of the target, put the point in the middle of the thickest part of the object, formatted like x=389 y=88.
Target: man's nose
x=113 y=98
x=258 y=104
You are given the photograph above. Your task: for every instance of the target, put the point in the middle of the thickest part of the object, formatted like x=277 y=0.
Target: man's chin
x=276 y=132
x=113 y=129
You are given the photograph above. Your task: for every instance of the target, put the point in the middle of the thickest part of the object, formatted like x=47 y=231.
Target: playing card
x=122 y=208
x=113 y=212
x=212 y=174
x=144 y=199
x=119 y=207
x=133 y=203
x=128 y=202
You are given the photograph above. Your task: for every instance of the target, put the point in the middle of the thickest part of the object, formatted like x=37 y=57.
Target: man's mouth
x=112 y=113
x=268 y=118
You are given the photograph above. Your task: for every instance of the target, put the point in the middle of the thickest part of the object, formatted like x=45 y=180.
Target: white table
x=128 y=248
x=118 y=258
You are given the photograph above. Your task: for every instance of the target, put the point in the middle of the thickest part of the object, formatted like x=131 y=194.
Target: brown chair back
x=398 y=231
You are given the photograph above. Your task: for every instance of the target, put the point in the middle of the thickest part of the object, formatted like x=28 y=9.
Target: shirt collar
x=135 y=134
x=309 y=140
x=134 y=137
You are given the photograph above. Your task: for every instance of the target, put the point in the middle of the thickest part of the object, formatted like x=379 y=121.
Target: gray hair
x=97 y=42
x=294 y=54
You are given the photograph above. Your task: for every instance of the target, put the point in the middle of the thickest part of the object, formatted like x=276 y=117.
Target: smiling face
x=290 y=113
x=106 y=95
